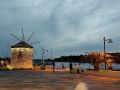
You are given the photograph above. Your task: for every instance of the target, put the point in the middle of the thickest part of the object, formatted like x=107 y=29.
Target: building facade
x=22 y=56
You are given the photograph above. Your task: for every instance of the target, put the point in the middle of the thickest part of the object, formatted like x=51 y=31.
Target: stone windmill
x=22 y=53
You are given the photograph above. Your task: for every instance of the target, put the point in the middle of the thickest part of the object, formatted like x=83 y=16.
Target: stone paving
x=42 y=80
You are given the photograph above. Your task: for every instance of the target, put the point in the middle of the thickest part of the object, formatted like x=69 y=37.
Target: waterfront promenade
x=46 y=80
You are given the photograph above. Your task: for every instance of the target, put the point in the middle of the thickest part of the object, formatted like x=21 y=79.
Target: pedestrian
x=70 y=65
x=53 y=66
x=78 y=68
x=62 y=66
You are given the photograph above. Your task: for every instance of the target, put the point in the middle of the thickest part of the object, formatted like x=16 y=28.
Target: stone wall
x=21 y=58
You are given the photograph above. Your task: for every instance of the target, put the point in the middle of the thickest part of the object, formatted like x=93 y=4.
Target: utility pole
x=51 y=53
x=105 y=54
x=43 y=64
x=108 y=41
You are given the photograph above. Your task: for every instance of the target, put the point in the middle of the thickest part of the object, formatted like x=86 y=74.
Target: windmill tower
x=22 y=53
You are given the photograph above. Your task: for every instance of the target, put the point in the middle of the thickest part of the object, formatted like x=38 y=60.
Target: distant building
x=1 y=62
x=22 y=56
x=4 y=62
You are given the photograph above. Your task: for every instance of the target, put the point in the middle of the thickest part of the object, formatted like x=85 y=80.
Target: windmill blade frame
x=16 y=37
x=30 y=37
x=34 y=43
x=23 y=35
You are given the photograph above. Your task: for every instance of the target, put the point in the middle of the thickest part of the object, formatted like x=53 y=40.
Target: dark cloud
x=67 y=26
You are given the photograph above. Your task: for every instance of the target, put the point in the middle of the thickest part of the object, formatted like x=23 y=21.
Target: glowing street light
x=108 y=41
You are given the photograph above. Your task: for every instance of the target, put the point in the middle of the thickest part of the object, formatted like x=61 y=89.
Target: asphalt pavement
x=44 y=80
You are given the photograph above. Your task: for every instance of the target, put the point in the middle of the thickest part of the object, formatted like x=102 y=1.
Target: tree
x=98 y=57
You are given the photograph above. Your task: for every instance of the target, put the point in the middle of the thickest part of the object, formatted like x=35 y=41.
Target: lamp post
x=43 y=58
x=108 y=41
x=43 y=54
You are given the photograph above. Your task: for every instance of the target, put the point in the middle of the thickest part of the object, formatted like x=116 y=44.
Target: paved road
x=41 y=80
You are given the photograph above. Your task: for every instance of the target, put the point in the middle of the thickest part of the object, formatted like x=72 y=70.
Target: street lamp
x=108 y=41
x=43 y=59
x=43 y=53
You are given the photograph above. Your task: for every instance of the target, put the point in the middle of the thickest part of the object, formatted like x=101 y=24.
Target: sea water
x=84 y=65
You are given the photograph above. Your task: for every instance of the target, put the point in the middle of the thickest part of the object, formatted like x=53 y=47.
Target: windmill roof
x=22 y=44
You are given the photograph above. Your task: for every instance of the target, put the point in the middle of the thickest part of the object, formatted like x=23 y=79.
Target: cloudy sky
x=69 y=27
